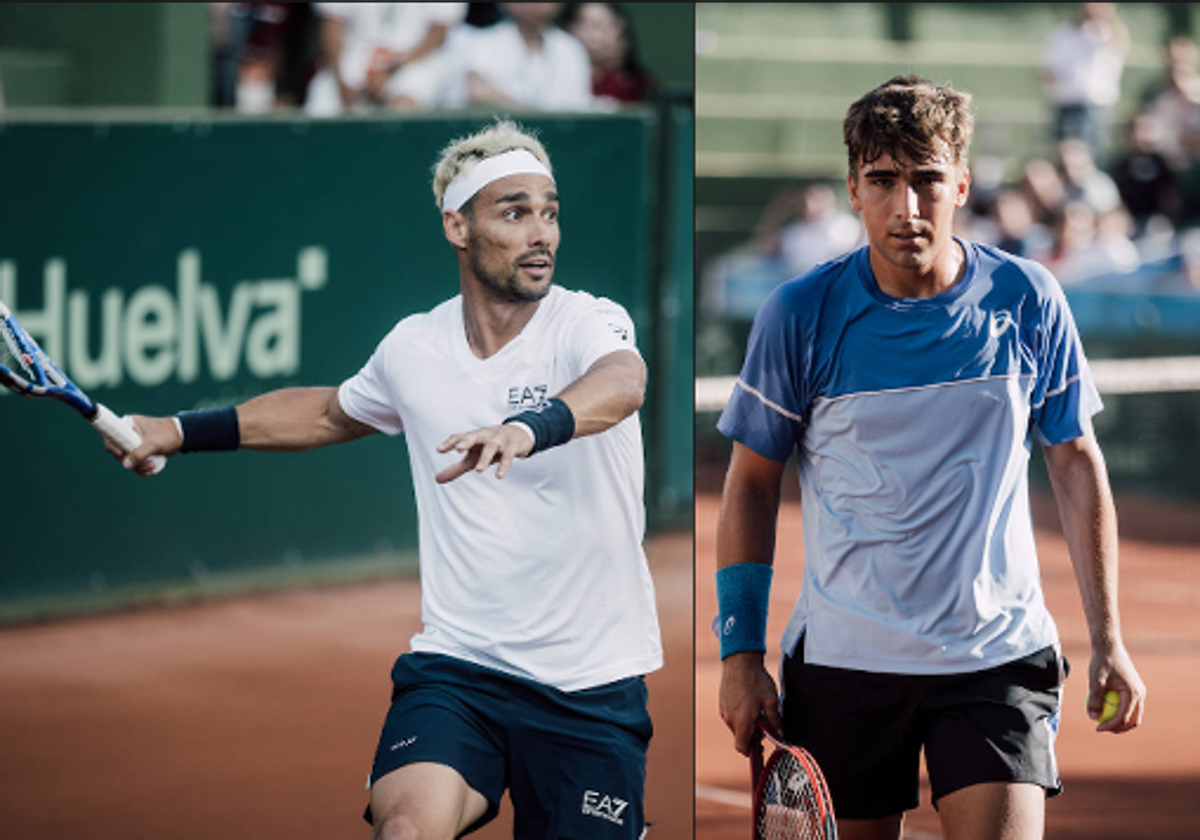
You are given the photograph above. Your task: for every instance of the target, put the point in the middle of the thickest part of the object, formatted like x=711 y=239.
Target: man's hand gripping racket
x=27 y=371
x=791 y=800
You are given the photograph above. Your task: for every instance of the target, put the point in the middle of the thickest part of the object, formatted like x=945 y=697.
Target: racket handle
x=756 y=768
x=123 y=434
x=756 y=763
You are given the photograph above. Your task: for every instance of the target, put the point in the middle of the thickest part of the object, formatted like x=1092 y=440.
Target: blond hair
x=465 y=153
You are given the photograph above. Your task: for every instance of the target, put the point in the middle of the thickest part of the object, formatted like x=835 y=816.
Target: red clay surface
x=1144 y=784
x=256 y=717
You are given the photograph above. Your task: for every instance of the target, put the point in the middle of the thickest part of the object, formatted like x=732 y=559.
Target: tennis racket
x=791 y=800
x=27 y=371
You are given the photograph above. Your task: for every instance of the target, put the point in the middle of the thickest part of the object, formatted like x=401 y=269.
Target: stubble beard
x=506 y=287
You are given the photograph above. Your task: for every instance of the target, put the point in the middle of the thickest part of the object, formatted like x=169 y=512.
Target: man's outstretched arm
x=287 y=420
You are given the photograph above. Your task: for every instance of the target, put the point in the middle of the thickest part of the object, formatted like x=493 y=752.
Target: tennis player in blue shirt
x=912 y=378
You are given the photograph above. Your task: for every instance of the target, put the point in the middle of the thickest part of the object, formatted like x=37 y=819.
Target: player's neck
x=490 y=324
x=919 y=283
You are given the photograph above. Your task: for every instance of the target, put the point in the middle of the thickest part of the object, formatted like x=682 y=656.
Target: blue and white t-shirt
x=913 y=422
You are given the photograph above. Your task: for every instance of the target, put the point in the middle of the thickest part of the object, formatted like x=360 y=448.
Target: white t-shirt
x=398 y=27
x=542 y=573
x=1084 y=64
x=556 y=78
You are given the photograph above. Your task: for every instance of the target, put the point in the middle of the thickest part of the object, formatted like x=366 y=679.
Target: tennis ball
x=1112 y=702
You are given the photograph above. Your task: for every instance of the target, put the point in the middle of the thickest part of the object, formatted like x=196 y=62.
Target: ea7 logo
x=606 y=807
x=528 y=396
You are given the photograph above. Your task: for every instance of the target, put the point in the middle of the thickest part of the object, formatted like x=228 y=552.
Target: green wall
x=184 y=263
x=107 y=54
x=666 y=41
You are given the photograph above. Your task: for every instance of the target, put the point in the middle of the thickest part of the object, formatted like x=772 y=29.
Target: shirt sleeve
x=367 y=398
x=603 y=328
x=767 y=409
x=1064 y=396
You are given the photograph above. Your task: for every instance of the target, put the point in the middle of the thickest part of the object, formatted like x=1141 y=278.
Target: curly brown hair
x=911 y=115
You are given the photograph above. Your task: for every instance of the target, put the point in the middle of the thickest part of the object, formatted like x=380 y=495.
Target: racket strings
x=12 y=356
x=789 y=808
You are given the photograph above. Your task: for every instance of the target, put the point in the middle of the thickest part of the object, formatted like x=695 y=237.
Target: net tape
x=1112 y=376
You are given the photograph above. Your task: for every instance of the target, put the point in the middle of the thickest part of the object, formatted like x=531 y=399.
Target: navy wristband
x=552 y=423
x=210 y=430
x=743 y=595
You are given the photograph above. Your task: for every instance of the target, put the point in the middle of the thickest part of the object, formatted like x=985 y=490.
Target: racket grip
x=123 y=434
x=756 y=763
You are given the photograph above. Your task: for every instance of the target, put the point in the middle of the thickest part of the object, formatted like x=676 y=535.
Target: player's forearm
x=749 y=510
x=482 y=92
x=1089 y=522
x=295 y=419
x=612 y=389
x=331 y=56
x=746 y=528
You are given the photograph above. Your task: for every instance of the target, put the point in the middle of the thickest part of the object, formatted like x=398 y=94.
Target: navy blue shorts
x=574 y=763
x=867 y=730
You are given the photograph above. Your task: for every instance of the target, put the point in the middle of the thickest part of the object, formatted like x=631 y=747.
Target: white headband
x=516 y=162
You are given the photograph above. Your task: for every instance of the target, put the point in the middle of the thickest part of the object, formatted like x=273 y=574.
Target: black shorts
x=574 y=763
x=866 y=730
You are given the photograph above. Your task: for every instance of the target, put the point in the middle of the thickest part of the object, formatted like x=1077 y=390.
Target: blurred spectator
x=524 y=61
x=1074 y=229
x=1044 y=188
x=1087 y=245
x=1016 y=230
x=1082 y=64
x=1076 y=178
x=1083 y=181
x=1149 y=188
x=1175 y=104
x=1114 y=230
x=381 y=55
x=803 y=227
x=298 y=54
x=987 y=179
x=225 y=47
x=606 y=31
x=1189 y=246
x=262 y=55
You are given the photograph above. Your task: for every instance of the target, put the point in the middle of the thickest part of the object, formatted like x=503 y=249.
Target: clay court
x=1144 y=784
x=256 y=716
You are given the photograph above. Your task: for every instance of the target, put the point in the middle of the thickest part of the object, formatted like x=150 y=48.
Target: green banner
x=183 y=263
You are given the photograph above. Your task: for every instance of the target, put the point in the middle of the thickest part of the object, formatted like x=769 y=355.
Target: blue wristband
x=210 y=430
x=743 y=595
x=552 y=423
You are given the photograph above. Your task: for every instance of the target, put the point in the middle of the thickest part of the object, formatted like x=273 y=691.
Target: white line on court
x=725 y=797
